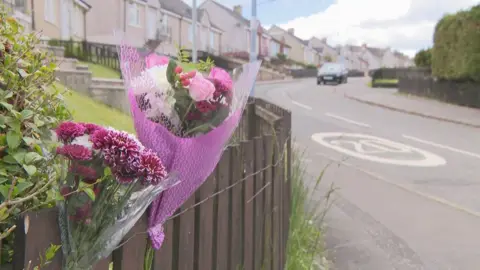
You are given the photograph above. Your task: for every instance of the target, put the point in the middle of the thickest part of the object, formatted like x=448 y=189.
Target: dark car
x=332 y=72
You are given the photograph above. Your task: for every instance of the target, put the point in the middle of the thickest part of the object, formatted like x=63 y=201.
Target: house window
x=286 y=51
x=50 y=11
x=274 y=48
x=134 y=14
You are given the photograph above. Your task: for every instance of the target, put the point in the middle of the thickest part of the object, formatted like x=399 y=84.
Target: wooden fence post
x=249 y=229
x=223 y=213
x=236 y=251
x=259 y=202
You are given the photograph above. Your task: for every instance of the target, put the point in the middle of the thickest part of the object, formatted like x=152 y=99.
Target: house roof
x=183 y=9
x=303 y=42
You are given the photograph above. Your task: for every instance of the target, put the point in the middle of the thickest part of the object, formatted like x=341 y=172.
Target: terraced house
x=301 y=51
x=237 y=32
x=58 y=19
x=163 y=24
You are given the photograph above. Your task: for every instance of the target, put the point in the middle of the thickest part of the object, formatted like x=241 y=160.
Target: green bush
x=423 y=58
x=456 y=51
x=29 y=110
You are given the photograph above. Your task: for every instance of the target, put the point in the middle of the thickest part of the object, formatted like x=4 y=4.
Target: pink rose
x=156 y=60
x=201 y=88
x=222 y=78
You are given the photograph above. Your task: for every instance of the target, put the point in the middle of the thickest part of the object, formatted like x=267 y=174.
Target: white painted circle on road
x=371 y=148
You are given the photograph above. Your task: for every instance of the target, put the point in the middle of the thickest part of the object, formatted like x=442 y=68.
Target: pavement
x=407 y=186
x=424 y=107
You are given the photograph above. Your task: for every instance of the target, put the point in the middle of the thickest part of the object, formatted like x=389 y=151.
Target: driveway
x=408 y=192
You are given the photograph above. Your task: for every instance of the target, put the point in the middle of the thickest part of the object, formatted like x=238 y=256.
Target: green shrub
x=456 y=51
x=28 y=113
x=423 y=58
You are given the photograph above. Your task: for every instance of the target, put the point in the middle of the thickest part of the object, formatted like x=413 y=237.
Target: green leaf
x=2 y=121
x=15 y=124
x=32 y=157
x=3 y=180
x=50 y=253
x=171 y=71
x=3 y=140
x=19 y=156
x=6 y=105
x=26 y=114
x=30 y=169
x=9 y=159
x=13 y=139
x=23 y=186
x=4 y=189
x=107 y=171
x=90 y=193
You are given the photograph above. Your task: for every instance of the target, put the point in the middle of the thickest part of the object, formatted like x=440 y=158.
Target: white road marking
x=373 y=148
x=347 y=120
x=442 y=146
x=406 y=187
x=302 y=105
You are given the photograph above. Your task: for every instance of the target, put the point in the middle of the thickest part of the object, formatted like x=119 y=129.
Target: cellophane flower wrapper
x=108 y=181
x=187 y=118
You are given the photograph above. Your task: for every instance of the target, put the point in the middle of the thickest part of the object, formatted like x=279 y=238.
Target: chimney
x=238 y=9
x=324 y=40
x=291 y=31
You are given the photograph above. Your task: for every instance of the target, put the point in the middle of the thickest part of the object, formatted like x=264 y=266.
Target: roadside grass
x=306 y=248
x=100 y=71
x=383 y=81
x=85 y=109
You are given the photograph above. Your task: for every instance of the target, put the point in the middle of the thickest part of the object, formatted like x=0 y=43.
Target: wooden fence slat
x=103 y=264
x=187 y=236
x=277 y=235
x=206 y=230
x=259 y=202
x=130 y=256
x=31 y=239
x=223 y=216
x=287 y=124
x=164 y=257
x=249 y=209
x=268 y=155
x=236 y=253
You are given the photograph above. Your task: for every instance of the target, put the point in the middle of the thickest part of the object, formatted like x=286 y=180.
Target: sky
x=404 y=25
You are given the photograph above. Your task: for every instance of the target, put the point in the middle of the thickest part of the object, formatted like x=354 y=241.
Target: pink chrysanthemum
x=68 y=131
x=221 y=79
x=151 y=168
x=90 y=128
x=88 y=174
x=75 y=152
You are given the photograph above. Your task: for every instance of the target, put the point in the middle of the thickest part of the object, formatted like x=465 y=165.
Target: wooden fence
x=238 y=219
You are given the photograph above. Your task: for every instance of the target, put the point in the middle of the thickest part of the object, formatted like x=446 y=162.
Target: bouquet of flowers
x=188 y=104
x=186 y=118
x=108 y=181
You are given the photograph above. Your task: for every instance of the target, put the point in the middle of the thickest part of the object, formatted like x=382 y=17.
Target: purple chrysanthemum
x=75 y=152
x=90 y=128
x=88 y=174
x=68 y=131
x=151 y=168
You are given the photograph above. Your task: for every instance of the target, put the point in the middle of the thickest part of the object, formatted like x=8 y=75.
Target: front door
x=65 y=19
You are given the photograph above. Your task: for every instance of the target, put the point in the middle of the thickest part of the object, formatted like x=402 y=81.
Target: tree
x=328 y=58
x=423 y=58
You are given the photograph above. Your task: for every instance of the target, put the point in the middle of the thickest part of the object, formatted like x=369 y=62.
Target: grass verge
x=85 y=109
x=100 y=71
x=306 y=248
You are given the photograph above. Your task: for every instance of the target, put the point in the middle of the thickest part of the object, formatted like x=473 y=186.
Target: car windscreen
x=330 y=68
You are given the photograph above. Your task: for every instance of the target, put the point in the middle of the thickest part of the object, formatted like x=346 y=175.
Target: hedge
x=456 y=50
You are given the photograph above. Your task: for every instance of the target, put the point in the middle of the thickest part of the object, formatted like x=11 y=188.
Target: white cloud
x=406 y=25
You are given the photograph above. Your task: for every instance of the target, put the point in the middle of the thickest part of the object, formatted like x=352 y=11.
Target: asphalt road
x=407 y=198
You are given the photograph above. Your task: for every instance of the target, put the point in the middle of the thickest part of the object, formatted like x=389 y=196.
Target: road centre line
x=302 y=105
x=347 y=120
x=442 y=146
